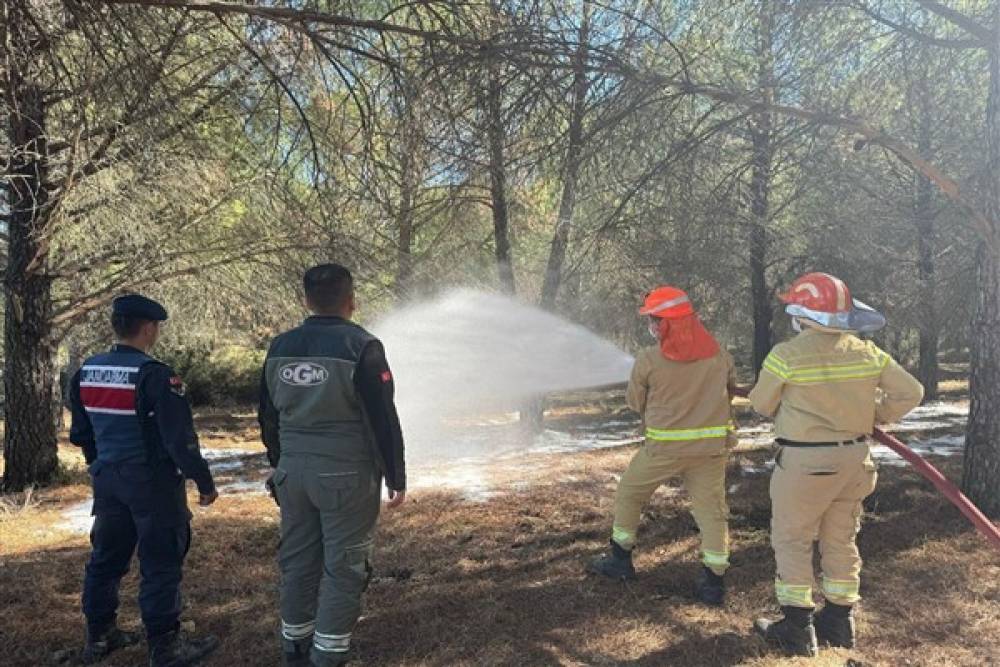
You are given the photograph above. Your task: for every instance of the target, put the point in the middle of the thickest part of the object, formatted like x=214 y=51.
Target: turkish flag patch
x=386 y=377
x=177 y=385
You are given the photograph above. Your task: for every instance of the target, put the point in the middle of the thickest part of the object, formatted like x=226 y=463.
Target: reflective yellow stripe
x=776 y=361
x=816 y=378
x=776 y=365
x=625 y=539
x=792 y=595
x=842 y=591
x=715 y=558
x=854 y=370
x=676 y=434
x=780 y=372
x=869 y=363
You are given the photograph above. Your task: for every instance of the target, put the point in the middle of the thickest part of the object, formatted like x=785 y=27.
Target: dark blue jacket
x=130 y=408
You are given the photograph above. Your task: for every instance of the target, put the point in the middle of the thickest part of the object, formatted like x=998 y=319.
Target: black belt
x=842 y=443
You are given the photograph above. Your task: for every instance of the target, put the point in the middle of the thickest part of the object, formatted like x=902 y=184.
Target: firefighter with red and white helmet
x=681 y=387
x=826 y=389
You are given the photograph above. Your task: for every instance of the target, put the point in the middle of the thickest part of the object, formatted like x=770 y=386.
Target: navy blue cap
x=136 y=305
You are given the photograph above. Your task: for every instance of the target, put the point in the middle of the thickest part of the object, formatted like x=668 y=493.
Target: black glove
x=272 y=489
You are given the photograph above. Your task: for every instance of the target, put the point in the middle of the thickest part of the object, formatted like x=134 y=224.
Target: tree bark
x=926 y=245
x=404 y=214
x=981 y=472
x=760 y=187
x=404 y=249
x=919 y=98
x=571 y=168
x=30 y=452
x=498 y=179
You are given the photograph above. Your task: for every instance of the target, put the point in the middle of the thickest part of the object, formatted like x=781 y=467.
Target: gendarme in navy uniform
x=332 y=433
x=134 y=425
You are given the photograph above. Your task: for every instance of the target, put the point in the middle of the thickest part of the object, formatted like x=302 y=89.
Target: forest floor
x=496 y=577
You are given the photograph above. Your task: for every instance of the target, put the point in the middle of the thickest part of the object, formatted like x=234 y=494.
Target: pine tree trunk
x=498 y=179
x=30 y=453
x=981 y=473
x=923 y=215
x=924 y=221
x=927 y=371
x=760 y=186
x=405 y=221
x=571 y=169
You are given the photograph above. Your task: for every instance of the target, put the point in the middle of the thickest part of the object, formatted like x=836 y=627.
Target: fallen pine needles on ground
x=501 y=581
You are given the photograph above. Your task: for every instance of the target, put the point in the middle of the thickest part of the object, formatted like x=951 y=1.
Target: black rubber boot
x=295 y=654
x=711 y=588
x=321 y=659
x=174 y=649
x=617 y=564
x=102 y=644
x=835 y=625
x=794 y=634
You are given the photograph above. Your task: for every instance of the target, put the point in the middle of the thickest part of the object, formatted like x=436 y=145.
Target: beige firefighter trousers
x=816 y=494
x=704 y=479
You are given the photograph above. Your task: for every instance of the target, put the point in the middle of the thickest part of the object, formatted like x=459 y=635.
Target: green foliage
x=216 y=375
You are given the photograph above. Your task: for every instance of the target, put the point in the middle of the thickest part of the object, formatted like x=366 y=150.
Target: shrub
x=216 y=375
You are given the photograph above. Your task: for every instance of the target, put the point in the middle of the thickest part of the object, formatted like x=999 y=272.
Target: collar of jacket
x=822 y=331
x=121 y=347
x=326 y=319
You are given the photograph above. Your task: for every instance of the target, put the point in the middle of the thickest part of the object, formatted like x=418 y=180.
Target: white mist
x=465 y=361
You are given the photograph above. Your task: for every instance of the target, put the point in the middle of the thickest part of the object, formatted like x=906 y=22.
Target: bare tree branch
x=988 y=229
x=913 y=33
x=300 y=18
x=966 y=23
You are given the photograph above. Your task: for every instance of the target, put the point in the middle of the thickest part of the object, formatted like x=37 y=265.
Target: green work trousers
x=328 y=514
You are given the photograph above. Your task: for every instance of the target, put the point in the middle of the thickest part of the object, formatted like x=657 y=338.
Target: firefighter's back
x=831 y=384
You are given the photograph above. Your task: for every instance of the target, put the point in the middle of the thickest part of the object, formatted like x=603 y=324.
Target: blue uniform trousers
x=145 y=506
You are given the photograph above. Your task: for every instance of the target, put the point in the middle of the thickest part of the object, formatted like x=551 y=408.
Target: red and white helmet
x=667 y=302
x=825 y=299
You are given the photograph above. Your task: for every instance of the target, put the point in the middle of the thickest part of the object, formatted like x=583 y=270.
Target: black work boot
x=331 y=659
x=794 y=634
x=295 y=653
x=835 y=626
x=616 y=565
x=174 y=649
x=102 y=644
x=711 y=588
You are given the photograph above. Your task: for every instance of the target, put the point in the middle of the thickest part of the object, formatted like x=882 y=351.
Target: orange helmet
x=825 y=299
x=668 y=303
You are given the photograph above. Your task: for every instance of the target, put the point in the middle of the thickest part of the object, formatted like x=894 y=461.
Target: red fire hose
x=944 y=485
x=988 y=529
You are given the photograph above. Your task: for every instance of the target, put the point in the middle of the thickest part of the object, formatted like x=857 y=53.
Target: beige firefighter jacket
x=685 y=405
x=825 y=386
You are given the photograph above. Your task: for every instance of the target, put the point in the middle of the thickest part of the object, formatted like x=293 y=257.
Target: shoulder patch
x=177 y=385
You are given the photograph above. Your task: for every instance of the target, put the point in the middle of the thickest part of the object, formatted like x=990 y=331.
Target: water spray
x=470 y=358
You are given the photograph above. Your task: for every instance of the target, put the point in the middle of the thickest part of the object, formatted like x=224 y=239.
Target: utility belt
x=806 y=445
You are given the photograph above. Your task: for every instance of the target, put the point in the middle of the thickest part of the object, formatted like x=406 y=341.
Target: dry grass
x=501 y=582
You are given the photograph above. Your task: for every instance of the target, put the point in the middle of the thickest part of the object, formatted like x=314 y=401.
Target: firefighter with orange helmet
x=826 y=389
x=681 y=387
